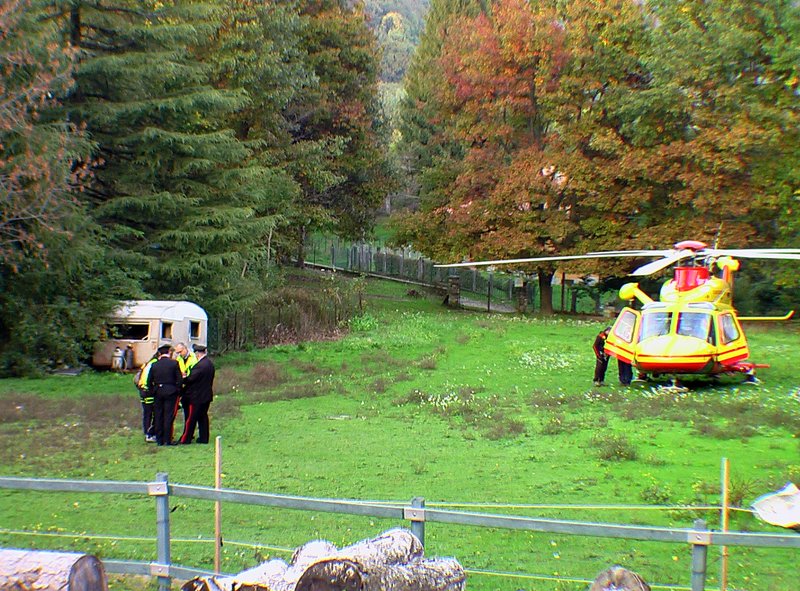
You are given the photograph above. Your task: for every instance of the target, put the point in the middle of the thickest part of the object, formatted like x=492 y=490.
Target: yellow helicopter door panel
x=732 y=343
x=622 y=337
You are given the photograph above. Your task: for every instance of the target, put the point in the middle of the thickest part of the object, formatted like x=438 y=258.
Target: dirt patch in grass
x=34 y=427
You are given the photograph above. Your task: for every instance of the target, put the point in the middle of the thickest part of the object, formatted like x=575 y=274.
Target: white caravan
x=147 y=324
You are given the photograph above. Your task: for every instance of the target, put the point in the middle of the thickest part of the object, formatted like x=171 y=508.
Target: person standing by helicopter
x=625 y=372
x=601 y=359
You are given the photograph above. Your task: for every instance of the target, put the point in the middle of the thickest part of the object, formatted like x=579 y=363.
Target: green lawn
x=456 y=407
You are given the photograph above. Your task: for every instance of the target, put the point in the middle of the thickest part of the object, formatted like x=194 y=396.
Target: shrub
x=363 y=323
x=613 y=447
x=503 y=427
x=657 y=494
x=427 y=362
x=556 y=424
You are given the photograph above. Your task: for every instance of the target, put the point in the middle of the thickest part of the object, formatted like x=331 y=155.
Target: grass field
x=457 y=407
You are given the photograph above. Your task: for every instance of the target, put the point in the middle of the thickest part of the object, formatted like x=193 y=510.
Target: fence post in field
x=489 y=292
x=453 y=291
x=416 y=514
x=700 y=539
x=160 y=490
x=333 y=255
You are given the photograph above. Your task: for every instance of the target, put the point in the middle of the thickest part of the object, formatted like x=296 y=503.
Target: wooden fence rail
x=697 y=536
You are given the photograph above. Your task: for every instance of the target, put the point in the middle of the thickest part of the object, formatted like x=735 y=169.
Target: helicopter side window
x=729 y=331
x=655 y=324
x=695 y=324
x=625 y=325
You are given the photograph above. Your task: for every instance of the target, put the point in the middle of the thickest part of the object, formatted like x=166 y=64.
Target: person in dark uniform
x=625 y=372
x=198 y=394
x=164 y=382
x=601 y=363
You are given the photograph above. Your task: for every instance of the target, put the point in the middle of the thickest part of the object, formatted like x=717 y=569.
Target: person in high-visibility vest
x=147 y=400
x=186 y=361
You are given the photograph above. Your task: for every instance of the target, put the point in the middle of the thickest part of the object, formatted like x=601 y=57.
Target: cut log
x=438 y=574
x=444 y=574
x=617 y=578
x=336 y=574
x=28 y=570
x=312 y=551
x=395 y=546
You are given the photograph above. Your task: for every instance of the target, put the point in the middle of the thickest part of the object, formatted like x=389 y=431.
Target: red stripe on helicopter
x=620 y=352
x=672 y=366
x=733 y=355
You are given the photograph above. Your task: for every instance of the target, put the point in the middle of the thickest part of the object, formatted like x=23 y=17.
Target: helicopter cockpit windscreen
x=655 y=324
x=695 y=324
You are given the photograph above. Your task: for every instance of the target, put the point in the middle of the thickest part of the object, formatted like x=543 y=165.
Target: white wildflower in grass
x=545 y=361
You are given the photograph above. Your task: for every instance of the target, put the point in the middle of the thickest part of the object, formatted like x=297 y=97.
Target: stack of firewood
x=391 y=562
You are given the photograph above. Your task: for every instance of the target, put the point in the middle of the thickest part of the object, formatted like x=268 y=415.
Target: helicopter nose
x=674 y=354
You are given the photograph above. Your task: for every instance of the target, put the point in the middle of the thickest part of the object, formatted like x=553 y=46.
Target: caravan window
x=194 y=329
x=166 y=330
x=130 y=332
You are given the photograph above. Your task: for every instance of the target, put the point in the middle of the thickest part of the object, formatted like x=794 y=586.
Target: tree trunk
x=301 y=248
x=545 y=290
x=26 y=570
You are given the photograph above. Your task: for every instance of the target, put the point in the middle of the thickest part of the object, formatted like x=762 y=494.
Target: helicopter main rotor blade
x=660 y=264
x=569 y=257
x=633 y=253
x=756 y=253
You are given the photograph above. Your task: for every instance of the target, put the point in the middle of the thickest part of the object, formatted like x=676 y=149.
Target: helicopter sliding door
x=623 y=335
x=733 y=345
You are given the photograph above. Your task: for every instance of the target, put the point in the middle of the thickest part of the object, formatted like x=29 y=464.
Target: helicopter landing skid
x=673 y=387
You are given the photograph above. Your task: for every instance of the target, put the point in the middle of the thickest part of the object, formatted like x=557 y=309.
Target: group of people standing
x=176 y=377
x=601 y=362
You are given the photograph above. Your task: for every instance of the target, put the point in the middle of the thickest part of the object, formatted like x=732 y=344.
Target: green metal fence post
x=700 y=539
x=160 y=490
x=416 y=514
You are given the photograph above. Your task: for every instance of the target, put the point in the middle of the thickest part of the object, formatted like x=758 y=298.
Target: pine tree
x=336 y=124
x=188 y=204
x=428 y=155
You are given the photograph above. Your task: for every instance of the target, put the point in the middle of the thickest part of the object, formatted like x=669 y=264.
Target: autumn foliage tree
x=36 y=149
x=596 y=125
x=55 y=286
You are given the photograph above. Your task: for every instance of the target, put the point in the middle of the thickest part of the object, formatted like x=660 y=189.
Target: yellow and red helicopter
x=692 y=330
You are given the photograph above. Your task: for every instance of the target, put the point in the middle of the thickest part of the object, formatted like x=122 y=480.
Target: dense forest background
x=186 y=149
